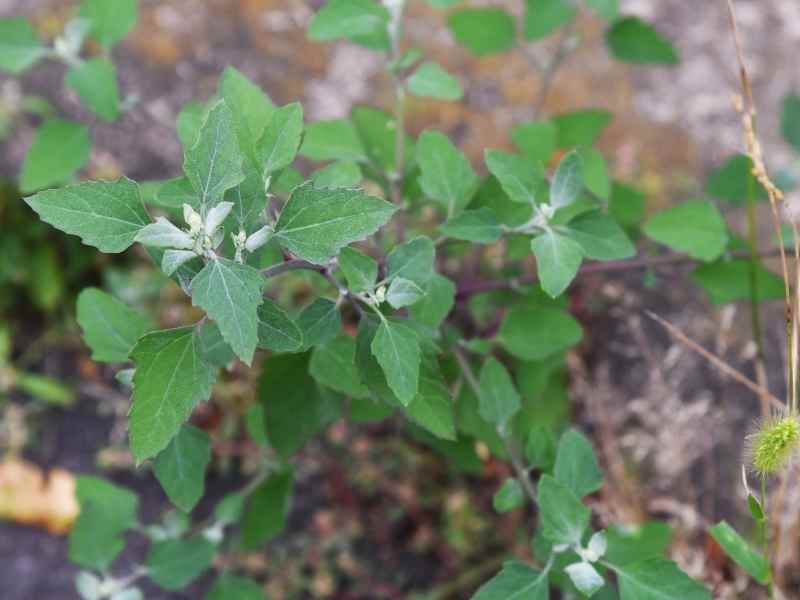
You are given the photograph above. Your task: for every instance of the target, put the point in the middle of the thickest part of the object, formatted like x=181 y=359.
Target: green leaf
x=509 y=496
x=632 y=40
x=214 y=163
x=231 y=293
x=730 y=281
x=174 y=564
x=279 y=144
x=111 y=20
x=106 y=215
x=479 y=226
x=362 y=21
x=563 y=517
x=446 y=175
x=397 y=350
x=499 y=399
x=520 y=179
x=576 y=464
x=342 y=173
x=252 y=111
x=432 y=81
x=558 y=259
x=568 y=181
x=585 y=578
x=267 y=509
x=333 y=365
x=171 y=378
x=110 y=328
x=174 y=193
x=695 y=227
x=432 y=407
x=437 y=303
x=106 y=512
x=403 y=292
x=276 y=331
x=190 y=120
x=536 y=140
x=232 y=587
x=360 y=270
x=336 y=139
x=657 y=579
x=543 y=17
x=790 y=120
x=412 y=260
x=608 y=9
x=517 y=581
x=315 y=224
x=734 y=181
x=755 y=508
x=595 y=173
x=249 y=201
x=59 y=149
x=483 y=31
x=540 y=449
x=44 y=388
x=632 y=543
x=95 y=82
x=214 y=349
x=20 y=47
x=600 y=237
x=626 y=205
x=319 y=322
x=376 y=130
x=533 y=333
x=740 y=551
x=294 y=408
x=580 y=128
x=181 y=467
x=369 y=369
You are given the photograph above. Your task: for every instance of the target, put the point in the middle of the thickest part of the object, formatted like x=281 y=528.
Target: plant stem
x=294 y=264
x=480 y=287
x=517 y=463
x=552 y=67
x=397 y=178
x=755 y=314
x=765 y=530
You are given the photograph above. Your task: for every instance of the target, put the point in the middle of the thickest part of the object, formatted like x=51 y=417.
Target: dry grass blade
x=716 y=361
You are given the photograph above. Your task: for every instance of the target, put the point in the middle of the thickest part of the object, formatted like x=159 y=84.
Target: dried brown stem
x=715 y=360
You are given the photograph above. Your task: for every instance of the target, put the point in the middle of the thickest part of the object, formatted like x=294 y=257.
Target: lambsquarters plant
x=382 y=230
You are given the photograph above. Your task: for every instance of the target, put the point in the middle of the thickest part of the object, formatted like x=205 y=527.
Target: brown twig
x=715 y=360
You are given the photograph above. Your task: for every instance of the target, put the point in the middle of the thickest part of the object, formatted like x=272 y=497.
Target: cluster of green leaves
x=177 y=555
x=242 y=217
x=568 y=553
x=491 y=29
x=61 y=147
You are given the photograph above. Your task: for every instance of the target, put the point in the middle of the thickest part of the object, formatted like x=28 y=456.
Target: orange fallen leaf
x=26 y=496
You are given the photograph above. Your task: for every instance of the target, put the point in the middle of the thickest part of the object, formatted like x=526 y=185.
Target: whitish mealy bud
x=163 y=234
x=543 y=215
x=216 y=216
x=380 y=294
x=193 y=219
x=258 y=239
x=239 y=240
